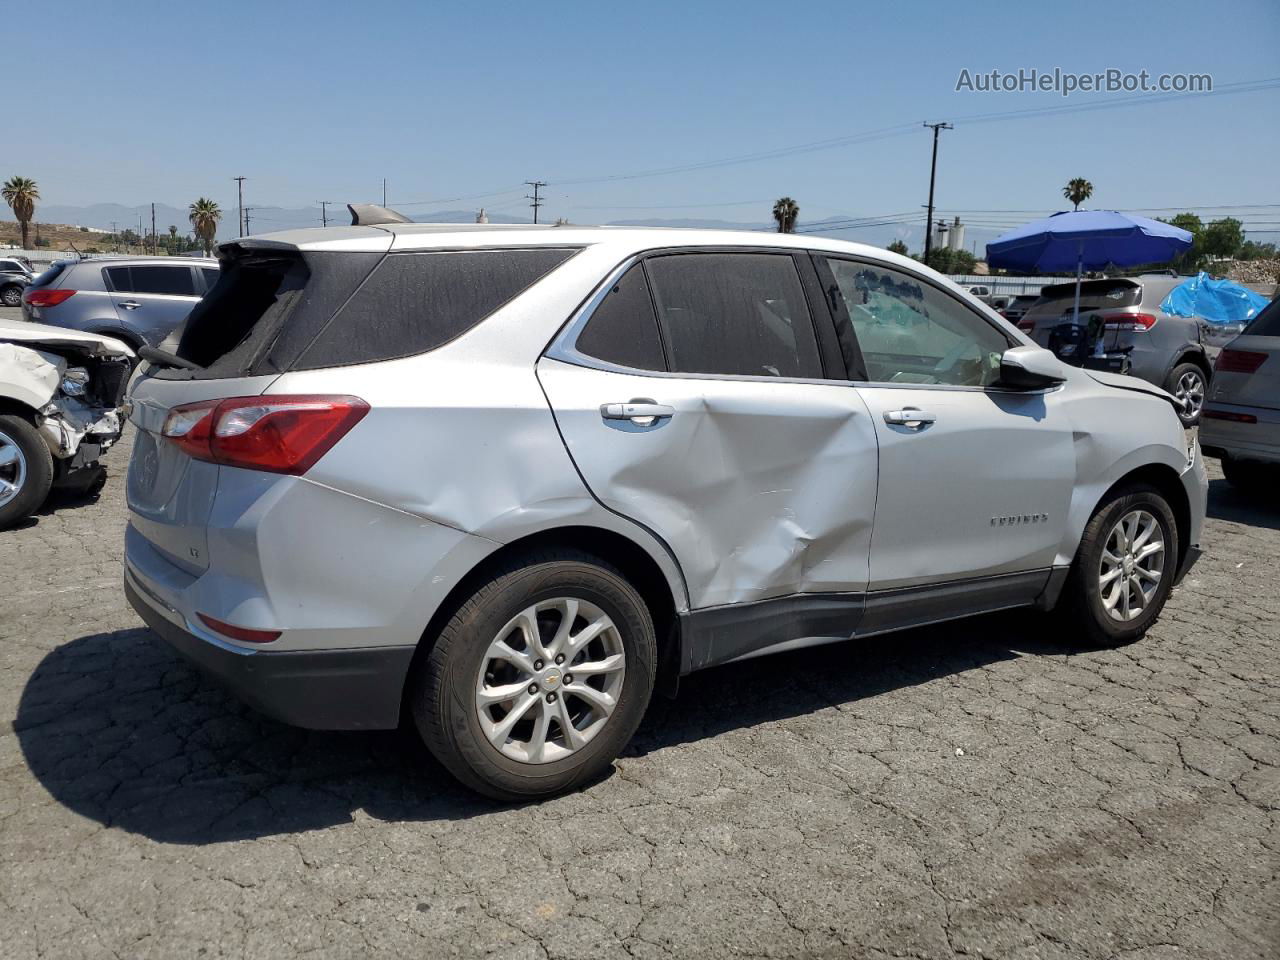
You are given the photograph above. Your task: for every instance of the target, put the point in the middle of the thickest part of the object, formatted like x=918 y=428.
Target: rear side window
x=50 y=275
x=1267 y=323
x=415 y=302
x=740 y=314
x=210 y=277
x=172 y=281
x=623 y=329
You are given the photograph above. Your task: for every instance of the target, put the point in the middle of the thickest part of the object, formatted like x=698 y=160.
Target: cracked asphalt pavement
x=975 y=789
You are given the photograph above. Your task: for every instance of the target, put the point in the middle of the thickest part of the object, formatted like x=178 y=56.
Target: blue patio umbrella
x=1086 y=240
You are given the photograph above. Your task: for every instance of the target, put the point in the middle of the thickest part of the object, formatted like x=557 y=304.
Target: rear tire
x=1189 y=383
x=459 y=715
x=1110 y=597
x=26 y=470
x=11 y=296
x=1249 y=476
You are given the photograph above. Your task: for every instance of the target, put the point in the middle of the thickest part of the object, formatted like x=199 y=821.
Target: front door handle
x=130 y=304
x=910 y=417
x=640 y=411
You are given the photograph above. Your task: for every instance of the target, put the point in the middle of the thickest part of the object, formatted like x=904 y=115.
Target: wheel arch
x=1167 y=481
x=632 y=559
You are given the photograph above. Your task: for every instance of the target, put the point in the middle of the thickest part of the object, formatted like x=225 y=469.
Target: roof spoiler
x=370 y=215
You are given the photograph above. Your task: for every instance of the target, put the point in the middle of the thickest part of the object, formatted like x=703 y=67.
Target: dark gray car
x=139 y=300
x=1122 y=328
x=14 y=278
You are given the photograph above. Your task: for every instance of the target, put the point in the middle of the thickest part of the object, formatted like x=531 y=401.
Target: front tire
x=539 y=679
x=1123 y=569
x=1189 y=383
x=26 y=470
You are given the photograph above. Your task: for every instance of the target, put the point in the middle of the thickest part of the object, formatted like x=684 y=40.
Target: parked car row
x=15 y=277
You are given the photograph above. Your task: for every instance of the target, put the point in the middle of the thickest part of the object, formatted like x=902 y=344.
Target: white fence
x=1002 y=286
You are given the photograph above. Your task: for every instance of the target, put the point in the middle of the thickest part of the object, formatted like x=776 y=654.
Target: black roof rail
x=370 y=215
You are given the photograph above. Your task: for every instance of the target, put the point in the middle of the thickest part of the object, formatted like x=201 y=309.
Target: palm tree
x=204 y=219
x=785 y=212
x=1078 y=190
x=21 y=194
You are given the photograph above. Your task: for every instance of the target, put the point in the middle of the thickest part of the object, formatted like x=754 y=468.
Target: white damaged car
x=60 y=409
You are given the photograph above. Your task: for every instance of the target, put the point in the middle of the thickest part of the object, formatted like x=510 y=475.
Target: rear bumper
x=352 y=689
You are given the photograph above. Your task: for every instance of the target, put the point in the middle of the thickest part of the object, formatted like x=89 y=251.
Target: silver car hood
x=59 y=339
x=1123 y=382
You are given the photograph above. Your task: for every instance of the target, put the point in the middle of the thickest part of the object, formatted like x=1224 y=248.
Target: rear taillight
x=1025 y=325
x=279 y=434
x=1133 y=322
x=1239 y=361
x=243 y=634
x=40 y=297
x=1229 y=415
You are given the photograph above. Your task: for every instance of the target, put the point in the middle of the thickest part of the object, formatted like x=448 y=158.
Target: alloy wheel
x=1190 y=390
x=1131 y=566
x=13 y=469
x=550 y=680
x=12 y=297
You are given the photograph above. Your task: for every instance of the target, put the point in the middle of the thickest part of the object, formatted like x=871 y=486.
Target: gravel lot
x=971 y=789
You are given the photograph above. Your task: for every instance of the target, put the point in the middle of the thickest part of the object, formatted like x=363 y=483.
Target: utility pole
x=246 y=220
x=115 y=235
x=240 y=185
x=537 y=200
x=933 y=172
x=384 y=191
x=324 y=213
x=155 y=245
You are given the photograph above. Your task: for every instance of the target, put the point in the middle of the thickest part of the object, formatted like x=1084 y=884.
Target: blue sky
x=318 y=100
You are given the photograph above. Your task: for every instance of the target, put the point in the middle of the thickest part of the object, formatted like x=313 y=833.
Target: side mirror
x=1030 y=368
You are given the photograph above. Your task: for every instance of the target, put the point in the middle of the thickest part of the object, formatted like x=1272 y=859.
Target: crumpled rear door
x=761 y=489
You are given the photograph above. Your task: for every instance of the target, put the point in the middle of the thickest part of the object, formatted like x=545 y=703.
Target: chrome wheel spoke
x=596 y=698
x=492 y=695
x=498 y=731
x=568 y=609
x=8 y=454
x=584 y=636
x=591 y=668
x=501 y=651
x=573 y=738
x=537 y=744
x=1148 y=551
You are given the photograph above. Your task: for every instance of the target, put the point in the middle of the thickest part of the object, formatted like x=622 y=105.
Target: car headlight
x=75 y=381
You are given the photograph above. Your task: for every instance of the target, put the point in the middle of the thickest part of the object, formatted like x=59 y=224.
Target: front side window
x=910 y=331
x=736 y=314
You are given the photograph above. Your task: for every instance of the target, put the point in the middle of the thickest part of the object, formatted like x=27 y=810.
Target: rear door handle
x=910 y=417
x=130 y=304
x=640 y=411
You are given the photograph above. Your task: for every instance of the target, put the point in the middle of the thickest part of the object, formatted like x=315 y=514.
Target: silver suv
x=1123 y=328
x=514 y=479
x=139 y=300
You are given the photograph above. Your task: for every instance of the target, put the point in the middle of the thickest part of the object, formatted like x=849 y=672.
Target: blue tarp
x=1217 y=301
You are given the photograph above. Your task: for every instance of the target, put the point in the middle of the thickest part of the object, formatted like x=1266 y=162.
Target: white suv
x=512 y=479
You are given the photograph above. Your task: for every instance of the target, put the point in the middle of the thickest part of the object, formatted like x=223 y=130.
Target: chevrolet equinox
x=507 y=480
